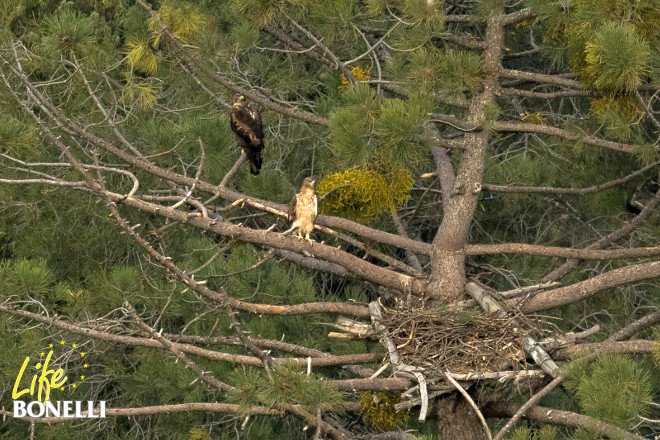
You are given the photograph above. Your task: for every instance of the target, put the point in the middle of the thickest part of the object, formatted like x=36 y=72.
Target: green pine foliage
x=26 y=278
x=284 y=385
x=619 y=115
x=399 y=130
x=453 y=73
x=606 y=43
x=612 y=388
x=617 y=59
x=524 y=433
x=19 y=139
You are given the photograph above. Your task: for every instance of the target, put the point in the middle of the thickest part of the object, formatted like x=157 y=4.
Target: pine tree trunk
x=447 y=281
x=457 y=420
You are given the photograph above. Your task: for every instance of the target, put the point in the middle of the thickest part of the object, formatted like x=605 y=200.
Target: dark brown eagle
x=246 y=124
x=303 y=209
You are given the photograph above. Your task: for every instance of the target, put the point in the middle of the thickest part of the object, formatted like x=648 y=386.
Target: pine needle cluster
x=182 y=19
x=198 y=434
x=284 y=385
x=453 y=73
x=18 y=139
x=424 y=21
x=142 y=91
x=606 y=42
x=140 y=56
x=366 y=129
x=619 y=115
x=613 y=388
x=26 y=278
x=617 y=59
x=67 y=31
x=524 y=433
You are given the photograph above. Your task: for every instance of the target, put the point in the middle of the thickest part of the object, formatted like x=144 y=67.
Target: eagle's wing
x=245 y=126
x=258 y=126
x=316 y=207
x=292 y=208
x=242 y=138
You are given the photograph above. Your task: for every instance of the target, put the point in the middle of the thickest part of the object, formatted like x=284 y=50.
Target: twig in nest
x=471 y=402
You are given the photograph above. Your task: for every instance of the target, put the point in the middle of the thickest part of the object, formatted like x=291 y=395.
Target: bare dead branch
x=624 y=230
x=635 y=327
x=201 y=374
x=559 y=417
x=584 y=289
x=151 y=410
x=597 y=348
x=524 y=127
x=472 y=404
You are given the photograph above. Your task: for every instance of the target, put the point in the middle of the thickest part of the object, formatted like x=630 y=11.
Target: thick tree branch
x=597 y=348
x=584 y=289
x=624 y=230
x=556 y=131
x=558 y=80
x=559 y=417
x=635 y=327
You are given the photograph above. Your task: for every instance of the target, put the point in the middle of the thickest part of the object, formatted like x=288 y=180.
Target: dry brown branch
x=559 y=417
x=233 y=169
x=597 y=348
x=556 y=131
x=542 y=78
x=510 y=91
x=327 y=360
x=201 y=374
x=265 y=357
x=635 y=327
x=472 y=404
x=584 y=289
x=567 y=339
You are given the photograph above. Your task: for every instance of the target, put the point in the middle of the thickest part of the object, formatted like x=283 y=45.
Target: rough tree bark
x=448 y=255
x=456 y=419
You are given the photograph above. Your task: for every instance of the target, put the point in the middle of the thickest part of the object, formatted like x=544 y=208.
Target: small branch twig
x=471 y=402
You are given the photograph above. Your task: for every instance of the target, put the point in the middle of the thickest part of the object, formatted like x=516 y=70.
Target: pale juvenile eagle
x=303 y=209
x=246 y=124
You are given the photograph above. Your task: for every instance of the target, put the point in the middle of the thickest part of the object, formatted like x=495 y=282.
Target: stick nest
x=459 y=342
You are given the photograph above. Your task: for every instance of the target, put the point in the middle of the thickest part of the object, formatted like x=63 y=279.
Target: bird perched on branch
x=303 y=209
x=246 y=124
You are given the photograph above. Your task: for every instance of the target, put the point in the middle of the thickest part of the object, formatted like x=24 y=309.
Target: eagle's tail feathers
x=255 y=161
